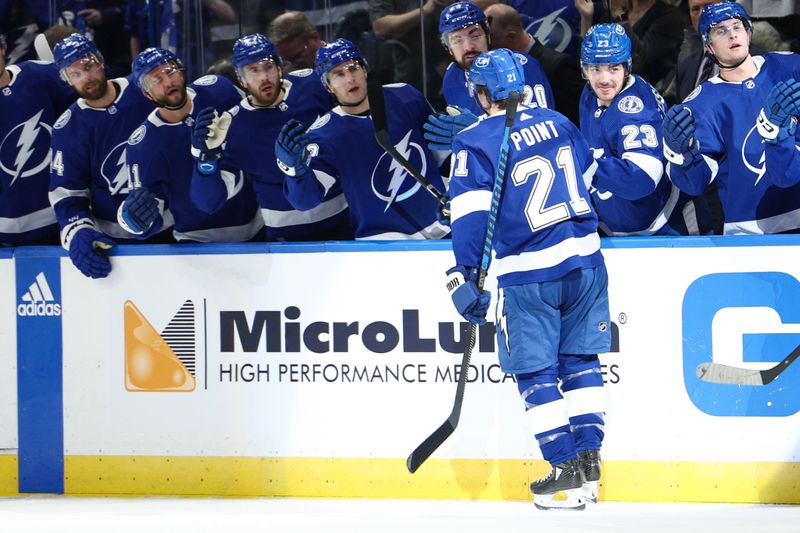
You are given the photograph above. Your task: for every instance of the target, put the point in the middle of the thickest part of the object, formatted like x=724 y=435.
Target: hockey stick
x=380 y=124
x=429 y=445
x=732 y=375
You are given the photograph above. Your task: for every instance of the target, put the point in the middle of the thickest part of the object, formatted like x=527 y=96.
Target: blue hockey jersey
x=546 y=225
x=537 y=88
x=555 y=23
x=630 y=191
x=385 y=201
x=88 y=174
x=733 y=150
x=253 y=130
x=159 y=158
x=29 y=106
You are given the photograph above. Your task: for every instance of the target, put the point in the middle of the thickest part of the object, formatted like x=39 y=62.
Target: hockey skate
x=561 y=489
x=589 y=461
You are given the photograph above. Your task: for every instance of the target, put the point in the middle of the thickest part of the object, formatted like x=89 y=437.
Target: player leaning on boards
x=88 y=174
x=464 y=32
x=552 y=310
x=385 y=201
x=160 y=162
x=620 y=116
x=273 y=98
x=31 y=99
x=719 y=131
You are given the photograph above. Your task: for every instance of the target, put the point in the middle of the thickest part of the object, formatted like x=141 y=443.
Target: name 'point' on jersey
x=733 y=150
x=89 y=172
x=537 y=88
x=546 y=226
x=159 y=157
x=630 y=190
x=253 y=128
x=385 y=201
x=29 y=106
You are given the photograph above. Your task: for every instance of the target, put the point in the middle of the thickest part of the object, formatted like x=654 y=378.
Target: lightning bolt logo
x=761 y=169
x=30 y=130
x=546 y=33
x=24 y=137
x=22 y=44
x=398 y=172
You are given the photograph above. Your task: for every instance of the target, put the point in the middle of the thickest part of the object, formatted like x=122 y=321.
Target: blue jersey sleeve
x=783 y=161
x=310 y=189
x=537 y=86
x=70 y=174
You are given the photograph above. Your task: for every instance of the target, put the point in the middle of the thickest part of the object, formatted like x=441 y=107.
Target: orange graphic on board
x=151 y=361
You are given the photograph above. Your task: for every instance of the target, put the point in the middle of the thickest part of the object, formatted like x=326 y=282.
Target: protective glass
x=83 y=69
x=475 y=35
x=159 y=75
x=720 y=32
x=259 y=71
x=339 y=74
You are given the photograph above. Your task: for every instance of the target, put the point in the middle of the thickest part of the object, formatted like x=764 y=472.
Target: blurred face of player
x=262 y=79
x=87 y=77
x=466 y=44
x=299 y=52
x=729 y=42
x=348 y=83
x=695 y=8
x=606 y=81
x=166 y=85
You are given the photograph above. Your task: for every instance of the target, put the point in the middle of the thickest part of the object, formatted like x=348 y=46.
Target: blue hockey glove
x=86 y=250
x=441 y=129
x=678 y=129
x=778 y=118
x=208 y=138
x=138 y=212
x=463 y=288
x=289 y=148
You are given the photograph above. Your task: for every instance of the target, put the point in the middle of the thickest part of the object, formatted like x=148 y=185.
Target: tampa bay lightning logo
x=631 y=104
x=211 y=79
x=390 y=181
x=552 y=30
x=114 y=170
x=137 y=135
x=753 y=154
x=25 y=150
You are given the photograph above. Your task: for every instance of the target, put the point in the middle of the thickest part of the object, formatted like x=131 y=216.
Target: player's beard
x=467 y=60
x=94 y=90
x=258 y=98
x=172 y=101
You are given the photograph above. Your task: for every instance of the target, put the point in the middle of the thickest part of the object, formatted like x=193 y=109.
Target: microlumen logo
x=160 y=362
x=38 y=300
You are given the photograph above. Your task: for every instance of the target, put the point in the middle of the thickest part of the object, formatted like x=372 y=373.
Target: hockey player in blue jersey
x=31 y=98
x=715 y=133
x=160 y=161
x=620 y=117
x=273 y=99
x=552 y=311
x=385 y=201
x=88 y=174
x=465 y=34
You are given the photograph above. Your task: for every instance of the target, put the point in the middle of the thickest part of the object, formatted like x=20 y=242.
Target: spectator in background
x=105 y=24
x=561 y=69
x=399 y=21
x=655 y=30
x=296 y=39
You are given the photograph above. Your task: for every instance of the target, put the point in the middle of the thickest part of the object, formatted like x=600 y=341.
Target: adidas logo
x=39 y=300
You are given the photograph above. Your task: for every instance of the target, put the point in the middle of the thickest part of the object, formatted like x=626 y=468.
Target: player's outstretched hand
x=678 y=129
x=778 y=118
x=138 y=212
x=289 y=147
x=440 y=129
x=471 y=303
x=208 y=135
x=87 y=252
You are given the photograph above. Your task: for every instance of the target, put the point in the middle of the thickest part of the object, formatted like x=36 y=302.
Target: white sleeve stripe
x=712 y=165
x=650 y=164
x=59 y=193
x=469 y=202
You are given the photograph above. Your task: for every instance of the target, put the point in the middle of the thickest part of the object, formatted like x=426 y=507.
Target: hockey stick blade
x=380 y=124
x=429 y=445
x=732 y=375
